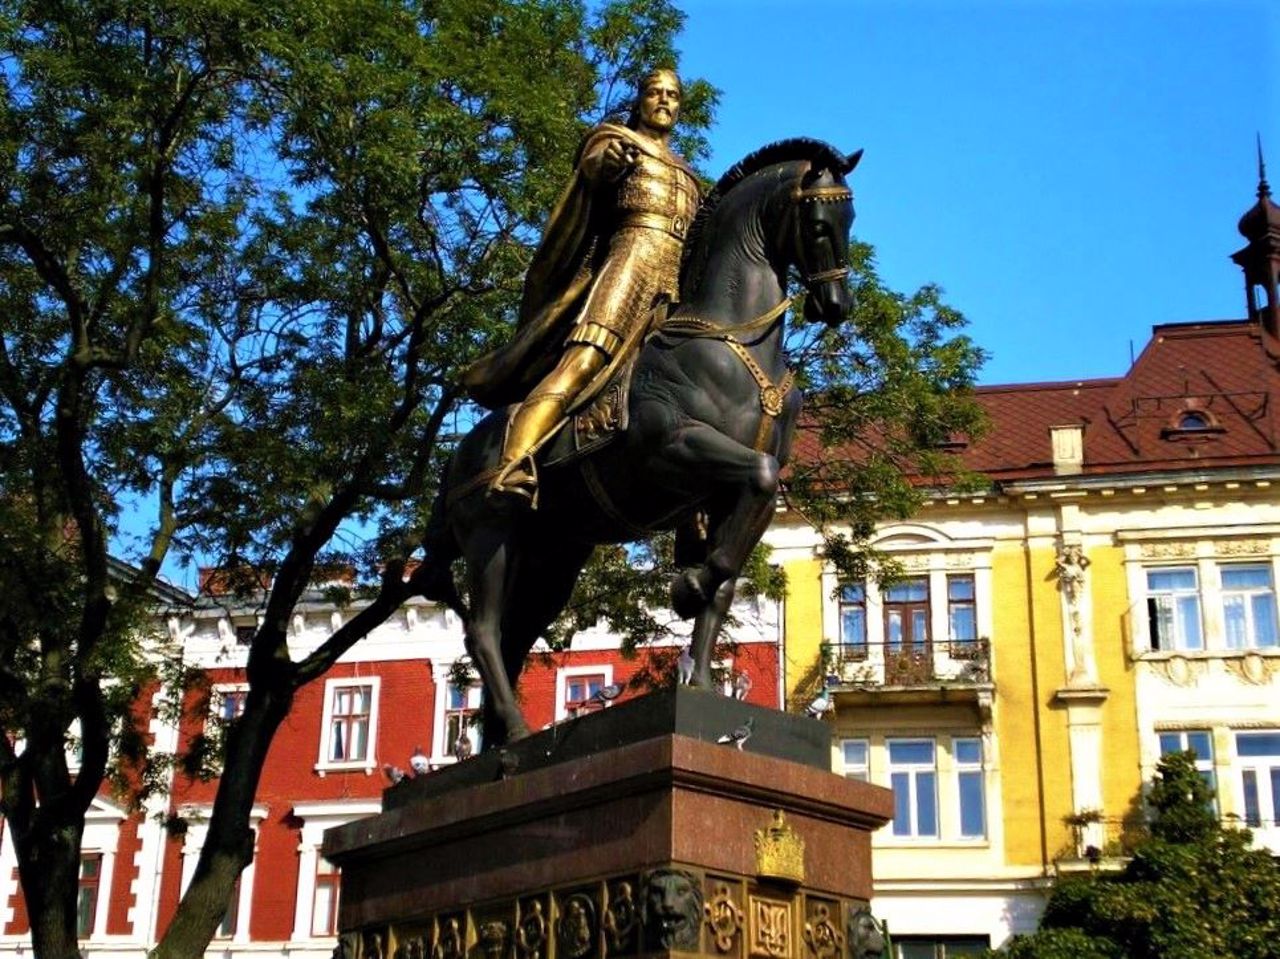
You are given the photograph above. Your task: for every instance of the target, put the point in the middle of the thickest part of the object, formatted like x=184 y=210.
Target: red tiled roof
x=1222 y=372
x=1226 y=373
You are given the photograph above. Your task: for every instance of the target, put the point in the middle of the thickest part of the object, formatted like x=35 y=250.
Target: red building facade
x=394 y=695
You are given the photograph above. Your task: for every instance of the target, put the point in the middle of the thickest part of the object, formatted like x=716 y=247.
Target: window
x=461 y=705
x=906 y=615
x=1248 y=606
x=914 y=778
x=1198 y=741
x=228 y=702
x=856 y=765
x=579 y=689
x=962 y=616
x=968 y=763
x=853 y=621
x=245 y=634
x=324 y=911
x=1259 y=758
x=227 y=927
x=931 y=947
x=1173 y=609
x=87 y=897
x=349 y=724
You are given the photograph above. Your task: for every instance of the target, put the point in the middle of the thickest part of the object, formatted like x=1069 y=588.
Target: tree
x=1194 y=889
x=246 y=248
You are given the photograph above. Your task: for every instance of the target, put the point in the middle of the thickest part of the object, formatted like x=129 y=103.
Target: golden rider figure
x=610 y=253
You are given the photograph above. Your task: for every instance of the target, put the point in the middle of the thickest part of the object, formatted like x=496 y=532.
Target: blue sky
x=1071 y=173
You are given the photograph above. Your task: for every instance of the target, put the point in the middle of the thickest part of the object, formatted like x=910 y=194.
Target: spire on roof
x=1264 y=188
x=1260 y=259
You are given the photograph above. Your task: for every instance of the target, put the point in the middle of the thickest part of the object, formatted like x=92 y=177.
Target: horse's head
x=821 y=217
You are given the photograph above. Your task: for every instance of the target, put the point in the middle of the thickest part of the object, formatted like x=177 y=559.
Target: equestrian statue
x=645 y=387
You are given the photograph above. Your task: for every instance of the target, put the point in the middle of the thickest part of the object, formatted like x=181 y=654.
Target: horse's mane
x=817 y=152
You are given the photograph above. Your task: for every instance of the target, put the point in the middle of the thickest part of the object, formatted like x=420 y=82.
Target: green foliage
x=1193 y=889
x=247 y=247
x=887 y=395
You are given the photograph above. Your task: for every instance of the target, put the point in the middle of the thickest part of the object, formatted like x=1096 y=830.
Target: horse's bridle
x=819 y=194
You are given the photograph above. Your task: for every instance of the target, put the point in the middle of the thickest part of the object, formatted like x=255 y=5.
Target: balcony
x=954 y=671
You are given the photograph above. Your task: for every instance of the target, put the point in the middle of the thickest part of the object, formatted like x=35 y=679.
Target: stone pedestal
x=625 y=833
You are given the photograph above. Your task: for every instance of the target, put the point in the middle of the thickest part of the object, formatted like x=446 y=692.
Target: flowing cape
x=559 y=278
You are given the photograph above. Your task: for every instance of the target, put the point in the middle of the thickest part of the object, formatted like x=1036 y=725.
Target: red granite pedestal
x=670 y=844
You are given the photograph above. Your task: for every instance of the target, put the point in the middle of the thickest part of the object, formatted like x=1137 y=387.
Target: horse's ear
x=850 y=162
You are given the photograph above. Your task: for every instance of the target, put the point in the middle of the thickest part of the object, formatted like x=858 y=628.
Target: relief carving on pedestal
x=865 y=935
x=671 y=910
x=494 y=938
x=450 y=939
x=531 y=933
x=822 y=936
x=576 y=926
x=621 y=918
x=414 y=947
x=770 y=926
x=724 y=918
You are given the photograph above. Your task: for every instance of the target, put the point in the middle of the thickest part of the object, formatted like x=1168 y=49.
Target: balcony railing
x=957 y=662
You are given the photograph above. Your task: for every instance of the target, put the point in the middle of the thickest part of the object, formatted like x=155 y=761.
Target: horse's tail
x=434 y=577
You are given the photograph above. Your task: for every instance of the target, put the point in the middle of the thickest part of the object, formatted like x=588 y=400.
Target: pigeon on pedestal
x=394 y=773
x=419 y=763
x=821 y=705
x=462 y=748
x=739 y=735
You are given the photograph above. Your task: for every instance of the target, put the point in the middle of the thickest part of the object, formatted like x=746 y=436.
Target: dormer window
x=1192 y=424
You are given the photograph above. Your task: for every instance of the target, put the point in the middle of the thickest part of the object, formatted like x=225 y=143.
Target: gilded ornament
x=621 y=917
x=821 y=935
x=770 y=928
x=412 y=948
x=779 y=851
x=724 y=918
x=531 y=933
x=576 y=927
x=494 y=936
x=450 y=943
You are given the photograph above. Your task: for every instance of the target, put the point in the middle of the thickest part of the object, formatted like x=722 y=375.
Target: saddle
x=596 y=424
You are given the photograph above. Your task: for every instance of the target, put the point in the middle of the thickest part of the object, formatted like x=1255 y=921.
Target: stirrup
x=518 y=481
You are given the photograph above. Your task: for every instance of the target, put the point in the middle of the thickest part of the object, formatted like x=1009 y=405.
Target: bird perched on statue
x=462 y=748
x=394 y=773
x=684 y=667
x=740 y=686
x=418 y=762
x=821 y=705
x=605 y=695
x=739 y=735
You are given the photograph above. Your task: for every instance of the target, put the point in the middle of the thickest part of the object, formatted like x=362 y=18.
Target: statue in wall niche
x=866 y=937
x=645 y=387
x=1070 y=567
x=671 y=909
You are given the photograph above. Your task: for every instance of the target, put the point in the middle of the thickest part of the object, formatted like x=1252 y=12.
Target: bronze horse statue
x=711 y=412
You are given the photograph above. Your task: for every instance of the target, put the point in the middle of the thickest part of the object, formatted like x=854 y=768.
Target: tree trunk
x=228 y=846
x=49 y=870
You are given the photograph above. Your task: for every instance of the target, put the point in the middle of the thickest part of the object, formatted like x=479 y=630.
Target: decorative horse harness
x=772 y=395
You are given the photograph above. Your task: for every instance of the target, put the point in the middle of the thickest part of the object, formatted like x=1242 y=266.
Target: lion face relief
x=671 y=909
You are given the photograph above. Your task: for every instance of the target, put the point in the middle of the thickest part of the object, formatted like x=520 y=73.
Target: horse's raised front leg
x=743 y=486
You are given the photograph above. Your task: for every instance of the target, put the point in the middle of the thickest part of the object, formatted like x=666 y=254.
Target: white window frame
x=963 y=768
x=1204 y=764
x=218 y=695
x=197 y=819
x=565 y=673
x=317 y=817
x=473 y=694
x=859 y=771
x=913 y=771
x=1178 y=641
x=1269 y=829
x=1246 y=594
x=370 y=761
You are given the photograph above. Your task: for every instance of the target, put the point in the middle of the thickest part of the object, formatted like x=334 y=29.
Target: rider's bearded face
x=660 y=102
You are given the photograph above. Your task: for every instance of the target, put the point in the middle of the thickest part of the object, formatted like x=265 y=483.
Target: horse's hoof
x=687 y=596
